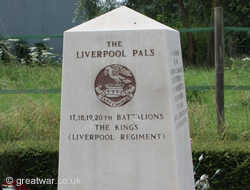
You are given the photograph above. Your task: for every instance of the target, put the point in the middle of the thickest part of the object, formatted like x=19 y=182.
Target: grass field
x=202 y=107
x=37 y=116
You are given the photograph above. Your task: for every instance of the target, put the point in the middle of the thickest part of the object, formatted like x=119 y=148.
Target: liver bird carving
x=116 y=71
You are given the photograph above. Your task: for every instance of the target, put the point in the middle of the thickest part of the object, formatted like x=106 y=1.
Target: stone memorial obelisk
x=124 y=122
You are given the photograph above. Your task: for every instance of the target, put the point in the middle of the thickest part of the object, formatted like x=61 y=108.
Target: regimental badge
x=115 y=85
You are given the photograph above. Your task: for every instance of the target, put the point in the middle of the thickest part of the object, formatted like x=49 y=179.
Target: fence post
x=219 y=67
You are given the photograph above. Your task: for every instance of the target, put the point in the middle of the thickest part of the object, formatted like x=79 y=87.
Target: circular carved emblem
x=115 y=85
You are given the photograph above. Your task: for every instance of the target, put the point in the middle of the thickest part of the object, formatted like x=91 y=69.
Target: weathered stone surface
x=124 y=122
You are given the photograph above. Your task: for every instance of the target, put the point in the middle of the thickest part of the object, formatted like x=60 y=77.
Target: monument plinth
x=124 y=122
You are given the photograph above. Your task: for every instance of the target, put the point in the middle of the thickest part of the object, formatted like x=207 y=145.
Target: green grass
x=202 y=107
x=29 y=116
x=15 y=76
x=26 y=117
x=37 y=116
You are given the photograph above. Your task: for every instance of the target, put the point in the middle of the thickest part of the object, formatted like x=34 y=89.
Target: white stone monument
x=124 y=122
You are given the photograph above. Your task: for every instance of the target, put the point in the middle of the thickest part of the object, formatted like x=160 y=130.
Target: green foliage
x=32 y=159
x=89 y=9
x=14 y=50
x=165 y=11
x=21 y=50
x=200 y=14
x=233 y=158
x=29 y=160
x=200 y=51
x=18 y=51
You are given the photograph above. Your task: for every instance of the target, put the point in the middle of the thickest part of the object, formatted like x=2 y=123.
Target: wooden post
x=219 y=67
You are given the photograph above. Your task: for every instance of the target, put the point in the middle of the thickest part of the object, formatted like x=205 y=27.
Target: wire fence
x=183 y=30
x=58 y=91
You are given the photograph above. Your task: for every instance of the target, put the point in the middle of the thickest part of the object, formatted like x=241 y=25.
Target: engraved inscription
x=125 y=127
x=176 y=72
x=111 y=53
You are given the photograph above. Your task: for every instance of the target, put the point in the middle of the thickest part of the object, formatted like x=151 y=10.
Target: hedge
x=233 y=158
x=30 y=160
x=40 y=159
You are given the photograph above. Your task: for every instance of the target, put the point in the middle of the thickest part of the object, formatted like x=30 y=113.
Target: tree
x=190 y=51
x=210 y=38
x=183 y=13
x=89 y=9
x=236 y=13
